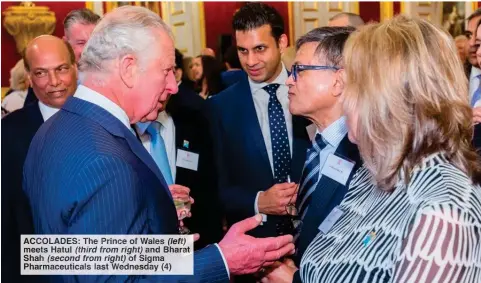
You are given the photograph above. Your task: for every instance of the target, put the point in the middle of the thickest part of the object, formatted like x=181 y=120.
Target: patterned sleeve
x=443 y=245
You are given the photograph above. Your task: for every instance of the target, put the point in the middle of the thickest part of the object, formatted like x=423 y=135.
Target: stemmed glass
x=182 y=205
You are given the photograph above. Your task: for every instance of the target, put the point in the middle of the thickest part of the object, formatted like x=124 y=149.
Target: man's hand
x=280 y=272
x=180 y=192
x=274 y=200
x=477 y=115
x=245 y=254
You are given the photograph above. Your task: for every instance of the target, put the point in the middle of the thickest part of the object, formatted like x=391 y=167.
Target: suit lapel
x=116 y=128
x=248 y=122
x=345 y=150
x=300 y=144
x=35 y=116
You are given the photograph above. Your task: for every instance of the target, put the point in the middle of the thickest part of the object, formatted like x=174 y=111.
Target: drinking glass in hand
x=182 y=205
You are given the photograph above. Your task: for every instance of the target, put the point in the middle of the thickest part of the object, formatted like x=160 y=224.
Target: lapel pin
x=370 y=237
x=186 y=144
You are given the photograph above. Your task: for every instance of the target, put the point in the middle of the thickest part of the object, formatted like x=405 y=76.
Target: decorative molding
x=4 y=91
x=309 y=9
x=174 y=12
x=339 y=7
x=27 y=21
x=355 y=7
x=203 y=39
x=291 y=23
x=309 y=20
x=387 y=10
x=90 y=5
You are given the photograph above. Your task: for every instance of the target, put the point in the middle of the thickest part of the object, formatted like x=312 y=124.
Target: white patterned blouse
x=427 y=231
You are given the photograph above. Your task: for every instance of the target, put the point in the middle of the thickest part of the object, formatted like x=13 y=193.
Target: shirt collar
x=335 y=132
x=281 y=79
x=163 y=118
x=98 y=99
x=46 y=110
x=475 y=72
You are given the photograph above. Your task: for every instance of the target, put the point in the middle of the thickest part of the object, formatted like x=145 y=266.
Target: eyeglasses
x=299 y=68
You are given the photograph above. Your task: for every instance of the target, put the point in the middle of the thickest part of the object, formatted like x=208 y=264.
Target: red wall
x=218 y=19
x=9 y=51
x=370 y=11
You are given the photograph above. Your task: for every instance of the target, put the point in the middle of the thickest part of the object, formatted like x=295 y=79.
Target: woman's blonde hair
x=18 y=78
x=405 y=80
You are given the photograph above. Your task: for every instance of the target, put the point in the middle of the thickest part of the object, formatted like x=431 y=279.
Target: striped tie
x=477 y=93
x=310 y=175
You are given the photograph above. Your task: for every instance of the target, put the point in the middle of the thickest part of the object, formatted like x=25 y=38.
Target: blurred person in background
x=345 y=19
x=234 y=70
x=461 y=41
x=15 y=98
x=207 y=72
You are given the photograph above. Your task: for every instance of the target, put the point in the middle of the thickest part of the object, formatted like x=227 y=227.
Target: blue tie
x=281 y=153
x=477 y=93
x=158 y=151
x=310 y=175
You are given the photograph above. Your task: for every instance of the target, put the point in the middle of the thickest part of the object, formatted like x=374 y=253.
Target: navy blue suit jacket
x=231 y=77
x=86 y=173
x=242 y=161
x=328 y=194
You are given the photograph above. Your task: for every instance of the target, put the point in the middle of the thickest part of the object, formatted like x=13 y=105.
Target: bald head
x=47 y=44
x=208 y=52
x=346 y=19
x=51 y=69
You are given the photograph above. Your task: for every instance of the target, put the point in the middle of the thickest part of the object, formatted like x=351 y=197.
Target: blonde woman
x=413 y=213
x=18 y=86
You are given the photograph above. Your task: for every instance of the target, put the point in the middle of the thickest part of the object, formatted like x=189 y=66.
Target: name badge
x=330 y=220
x=337 y=169
x=187 y=160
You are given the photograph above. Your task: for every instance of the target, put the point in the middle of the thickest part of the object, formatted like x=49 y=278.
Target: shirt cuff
x=223 y=258
x=256 y=208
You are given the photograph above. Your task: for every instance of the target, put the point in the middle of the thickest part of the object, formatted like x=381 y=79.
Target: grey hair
x=83 y=16
x=330 y=42
x=126 y=30
x=354 y=19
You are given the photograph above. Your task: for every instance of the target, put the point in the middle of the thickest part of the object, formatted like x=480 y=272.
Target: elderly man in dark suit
x=52 y=72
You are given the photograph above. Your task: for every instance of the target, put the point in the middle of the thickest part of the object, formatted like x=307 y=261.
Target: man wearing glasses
x=259 y=146
x=315 y=89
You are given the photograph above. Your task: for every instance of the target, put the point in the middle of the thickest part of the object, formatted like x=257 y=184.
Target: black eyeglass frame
x=295 y=69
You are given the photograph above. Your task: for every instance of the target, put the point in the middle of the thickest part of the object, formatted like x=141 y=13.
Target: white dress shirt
x=98 y=99
x=46 y=110
x=474 y=81
x=167 y=132
x=261 y=102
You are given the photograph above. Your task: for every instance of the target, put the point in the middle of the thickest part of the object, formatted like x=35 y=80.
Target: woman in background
x=413 y=213
x=207 y=74
x=18 y=89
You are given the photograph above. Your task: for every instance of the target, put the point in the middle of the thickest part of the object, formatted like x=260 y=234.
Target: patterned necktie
x=281 y=153
x=159 y=152
x=310 y=175
x=477 y=92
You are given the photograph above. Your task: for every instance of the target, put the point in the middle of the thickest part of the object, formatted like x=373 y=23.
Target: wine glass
x=182 y=205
